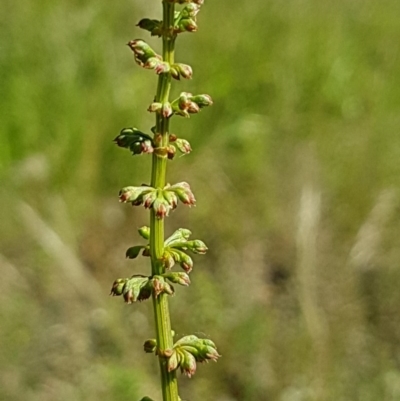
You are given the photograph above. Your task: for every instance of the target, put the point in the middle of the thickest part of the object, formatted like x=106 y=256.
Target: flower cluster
x=185 y=353
x=134 y=140
x=179 y=70
x=140 y=288
x=182 y=144
x=187 y=104
x=169 y=151
x=180 y=278
x=179 y=16
x=146 y=57
x=184 y=20
x=136 y=288
x=162 y=201
x=175 y=248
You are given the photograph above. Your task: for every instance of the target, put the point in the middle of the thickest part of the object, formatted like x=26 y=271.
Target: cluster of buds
x=164 y=109
x=169 y=151
x=179 y=70
x=187 y=351
x=137 y=195
x=172 y=256
x=184 y=105
x=149 y=197
x=182 y=144
x=146 y=57
x=179 y=191
x=185 y=20
x=134 y=140
x=187 y=104
x=136 y=288
x=140 y=288
x=162 y=201
x=180 y=278
x=175 y=247
x=160 y=286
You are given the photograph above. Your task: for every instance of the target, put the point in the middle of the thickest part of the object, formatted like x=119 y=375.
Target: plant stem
x=158 y=178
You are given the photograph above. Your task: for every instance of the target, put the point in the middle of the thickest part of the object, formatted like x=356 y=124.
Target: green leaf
x=133 y=252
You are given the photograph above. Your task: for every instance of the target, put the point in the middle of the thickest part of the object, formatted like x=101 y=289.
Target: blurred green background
x=296 y=170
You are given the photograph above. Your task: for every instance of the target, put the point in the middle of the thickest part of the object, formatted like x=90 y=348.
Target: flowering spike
x=160 y=199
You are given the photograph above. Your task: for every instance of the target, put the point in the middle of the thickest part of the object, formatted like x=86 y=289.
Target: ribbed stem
x=158 y=179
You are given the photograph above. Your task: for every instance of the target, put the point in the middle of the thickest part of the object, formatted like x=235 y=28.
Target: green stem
x=158 y=178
